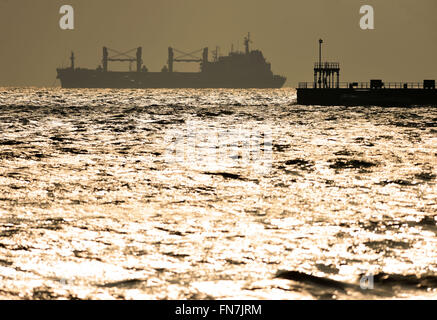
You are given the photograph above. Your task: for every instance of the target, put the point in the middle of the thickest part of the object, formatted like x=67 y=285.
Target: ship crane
x=122 y=57
x=247 y=41
x=186 y=57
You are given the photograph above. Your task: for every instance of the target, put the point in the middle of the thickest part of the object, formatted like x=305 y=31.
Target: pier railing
x=365 y=85
x=327 y=65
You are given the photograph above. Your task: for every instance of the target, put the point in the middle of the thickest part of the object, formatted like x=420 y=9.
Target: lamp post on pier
x=320 y=52
x=320 y=63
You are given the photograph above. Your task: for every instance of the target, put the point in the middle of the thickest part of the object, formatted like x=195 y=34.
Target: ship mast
x=72 y=60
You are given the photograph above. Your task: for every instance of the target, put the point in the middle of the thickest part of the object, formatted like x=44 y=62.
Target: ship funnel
x=72 y=60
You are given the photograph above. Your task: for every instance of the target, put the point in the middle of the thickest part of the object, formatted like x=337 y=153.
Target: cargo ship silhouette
x=327 y=90
x=248 y=69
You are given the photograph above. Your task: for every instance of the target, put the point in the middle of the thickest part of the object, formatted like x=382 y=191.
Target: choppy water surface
x=94 y=205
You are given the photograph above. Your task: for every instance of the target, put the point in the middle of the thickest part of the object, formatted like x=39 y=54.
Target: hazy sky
x=402 y=47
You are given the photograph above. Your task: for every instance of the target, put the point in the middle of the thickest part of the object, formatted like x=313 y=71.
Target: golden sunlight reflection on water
x=181 y=194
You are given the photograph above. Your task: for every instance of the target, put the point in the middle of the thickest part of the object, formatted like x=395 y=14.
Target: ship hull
x=84 y=78
x=366 y=97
